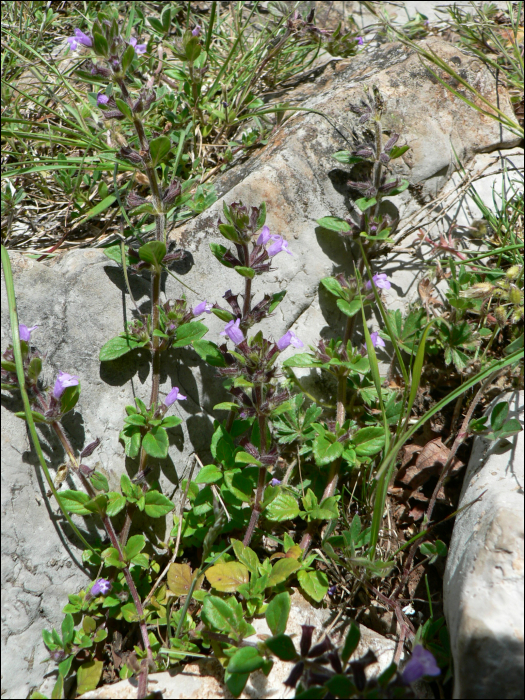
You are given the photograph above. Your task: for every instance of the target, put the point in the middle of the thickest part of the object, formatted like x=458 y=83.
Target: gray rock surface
x=483 y=583
x=79 y=301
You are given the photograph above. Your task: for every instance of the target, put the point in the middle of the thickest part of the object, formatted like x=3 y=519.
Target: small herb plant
x=245 y=538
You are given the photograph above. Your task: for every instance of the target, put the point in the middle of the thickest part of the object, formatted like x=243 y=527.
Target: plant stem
x=247 y=283
x=256 y=512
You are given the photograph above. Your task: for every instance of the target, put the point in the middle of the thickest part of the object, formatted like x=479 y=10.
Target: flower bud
x=513 y=272
x=501 y=316
x=515 y=296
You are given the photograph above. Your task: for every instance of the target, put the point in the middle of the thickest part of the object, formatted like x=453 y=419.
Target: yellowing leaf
x=227 y=577
x=179 y=579
x=295 y=552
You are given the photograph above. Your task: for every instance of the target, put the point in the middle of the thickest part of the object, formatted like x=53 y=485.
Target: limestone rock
x=483 y=585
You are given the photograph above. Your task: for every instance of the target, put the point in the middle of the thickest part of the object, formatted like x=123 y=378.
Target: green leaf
x=189 y=333
x=368 y=441
x=157 y=504
x=246 y=458
x=333 y=286
x=364 y=203
x=165 y=18
x=314 y=584
x=129 y=612
x=69 y=398
x=347 y=157
x=397 y=190
x=116 y=347
x=499 y=415
x=156 y=24
x=334 y=223
x=88 y=676
x=245 y=660
x=282 y=570
x=158 y=149
x=235 y=682
x=99 y=482
x=349 y=308
x=340 y=686
x=135 y=544
x=226 y=406
x=239 y=485
x=153 y=252
x=277 y=613
x=303 y=359
x=37 y=417
x=276 y=300
x=262 y=216
x=74 y=501
x=209 y=475
x=226 y=616
x=227 y=576
x=398 y=151
x=209 y=352
x=218 y=251
x=282 y=646
x=351 y=642
x=326 y=452
x=98 y=504
x=68 y=629
x=245 y=271
x=58 y=688
x=283 y=507
x=116 y=502
x=100 y=44
x=127 y=57
x=245 y=555
x=156 y=443
x=510 y=427
x=124 y=108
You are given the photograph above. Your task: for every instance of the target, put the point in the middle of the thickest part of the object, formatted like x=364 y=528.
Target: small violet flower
x=101 y=587
x=63 y=381
x=279 y=245
x=202 y=307
x=173 y=396
x=196 y=31
x=289 y=338
x=360 y=41
x=264 y=236
x=376 y=339
x=25 y=332
x=102 y=99
x=233 y=331
x=332 y=590
x=139 y=48
x=380 y=281
x=79 y=38
x=421 y=663
x=275 y=482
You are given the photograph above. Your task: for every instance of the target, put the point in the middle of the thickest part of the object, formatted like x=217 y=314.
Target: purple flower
x=102 y=99
x=196 y=31
x=376 y=339
x=139 y=48
x=79 y=38
x=360 y=41
x=202 y=307
x=173 y=396
x=421 y=663
x=233 y=331
x=332 y=590
x=25 y=332
x=289 y=338
x=275 y=482
x=264 y=236
x=63 y=381
x=101 y=587
x=278 y=245
x=380 y=281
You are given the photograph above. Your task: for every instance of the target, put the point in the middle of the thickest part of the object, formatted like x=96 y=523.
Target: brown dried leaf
x=430 y=462
x=425 y=288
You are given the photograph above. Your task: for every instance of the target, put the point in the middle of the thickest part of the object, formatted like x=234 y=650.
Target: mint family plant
x=244 y=486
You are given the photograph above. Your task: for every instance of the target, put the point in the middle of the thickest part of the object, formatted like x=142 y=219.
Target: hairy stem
x=247 y=284
x=256 y=512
